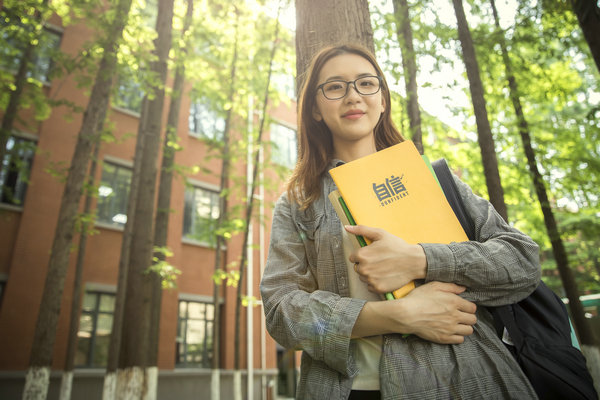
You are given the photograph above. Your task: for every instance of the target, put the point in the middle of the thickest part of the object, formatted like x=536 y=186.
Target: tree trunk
x=223 y=215
x=134 y=355
x=319 y=25
x=163 y=206
x=250 y=206
x=67 y=379
x=109 y=390
x=588 y=15
x=405 y=38
x=484 y=132
x=45 y=331
x=586 y=335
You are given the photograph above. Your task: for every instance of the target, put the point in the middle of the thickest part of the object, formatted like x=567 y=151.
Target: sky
x=436 y=99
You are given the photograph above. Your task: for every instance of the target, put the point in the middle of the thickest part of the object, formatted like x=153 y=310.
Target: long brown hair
x=315 y=147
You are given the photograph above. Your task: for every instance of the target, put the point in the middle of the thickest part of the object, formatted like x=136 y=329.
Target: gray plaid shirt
x=307 y=307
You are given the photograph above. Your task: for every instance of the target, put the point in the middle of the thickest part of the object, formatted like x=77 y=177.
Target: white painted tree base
x=237 y=384
x=215 y=384
x=66 y=385
x=36 y=383
x=151 y=380
x=130 y=383
x=592 y=356
x=110 y=386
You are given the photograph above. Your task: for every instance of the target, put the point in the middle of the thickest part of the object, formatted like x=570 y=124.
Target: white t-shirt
x=369 y=348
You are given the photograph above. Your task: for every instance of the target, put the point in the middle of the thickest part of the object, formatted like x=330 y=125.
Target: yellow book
x=394 y=189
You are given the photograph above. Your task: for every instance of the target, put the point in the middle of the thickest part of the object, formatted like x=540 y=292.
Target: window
x=12 y=46
x=200 y=215
x=194 y=345
x=95 y=326
x=16 y=166
x=204 y=122
x=113 y=194
x=284 y=145
x=129 y=94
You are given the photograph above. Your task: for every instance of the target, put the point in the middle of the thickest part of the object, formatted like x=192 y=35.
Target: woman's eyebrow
x=341 y=78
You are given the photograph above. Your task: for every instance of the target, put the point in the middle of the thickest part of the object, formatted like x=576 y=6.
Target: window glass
x=113 y=194
x=200 y=215
x=95 y=326
x=129 y=94
x=16 y=166
x=204 y=122
x=194 y=343
x=284 y=151
x=12 y=46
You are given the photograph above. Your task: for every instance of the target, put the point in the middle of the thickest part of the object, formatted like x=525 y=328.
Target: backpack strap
x=444 y=176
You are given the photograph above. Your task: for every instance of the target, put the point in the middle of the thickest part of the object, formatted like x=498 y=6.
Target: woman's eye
x=333 y=86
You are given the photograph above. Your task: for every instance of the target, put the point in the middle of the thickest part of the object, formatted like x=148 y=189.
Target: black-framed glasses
x=365 y=85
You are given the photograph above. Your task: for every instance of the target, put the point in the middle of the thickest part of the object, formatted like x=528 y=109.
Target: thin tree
x=582 y=325
x=319 y=25
x=163 y=206
x=250 y=206
x=67 y=376
x=109 y=389
x=38 y=374
x=223 y=216
x=409 y=64
x=134 y=378
x=588 y=15
x=484 y=131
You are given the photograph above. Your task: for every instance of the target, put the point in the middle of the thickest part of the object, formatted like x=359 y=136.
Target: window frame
x=203 y=186
x=34 y=70
x=120 y=164
x=181 y=338
x=90 y=355
x=22 y=182
x=217 y=121
x=275 y=150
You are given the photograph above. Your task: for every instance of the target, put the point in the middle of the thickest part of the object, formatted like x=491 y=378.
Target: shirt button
x=336 y=242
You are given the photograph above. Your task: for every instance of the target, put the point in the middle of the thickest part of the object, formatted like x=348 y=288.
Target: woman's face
x=352 y=118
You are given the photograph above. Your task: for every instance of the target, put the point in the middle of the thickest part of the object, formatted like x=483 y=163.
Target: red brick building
x=28 y=217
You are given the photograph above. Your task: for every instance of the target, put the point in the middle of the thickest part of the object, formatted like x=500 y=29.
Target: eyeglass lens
x=337 y=89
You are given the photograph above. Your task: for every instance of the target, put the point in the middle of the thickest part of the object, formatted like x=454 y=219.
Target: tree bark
x=223 y=215
x=135 y=347
x=484 y=131
x=584 y=330
x=67 y=379
x=335 y=22
x=163 y=207
x=588 y=15
x=45 y=331
x=405 y=38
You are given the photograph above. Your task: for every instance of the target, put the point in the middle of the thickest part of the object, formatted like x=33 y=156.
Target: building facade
x=29 y=208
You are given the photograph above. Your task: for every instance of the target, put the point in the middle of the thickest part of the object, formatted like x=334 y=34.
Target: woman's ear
x=382 y=104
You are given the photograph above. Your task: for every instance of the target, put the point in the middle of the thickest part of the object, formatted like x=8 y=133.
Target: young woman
x=324 y=299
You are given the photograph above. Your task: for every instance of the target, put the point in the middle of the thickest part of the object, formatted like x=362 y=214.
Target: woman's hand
x=389 y=262
x=433 y=311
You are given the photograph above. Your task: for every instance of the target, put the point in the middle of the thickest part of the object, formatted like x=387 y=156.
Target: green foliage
x=559 y=90
x=167 y=272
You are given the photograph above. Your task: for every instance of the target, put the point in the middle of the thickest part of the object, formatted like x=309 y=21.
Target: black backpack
x=539 y=326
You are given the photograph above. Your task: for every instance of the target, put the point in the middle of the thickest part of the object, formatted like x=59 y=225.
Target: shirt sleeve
x=298 y=314
x=500 y=267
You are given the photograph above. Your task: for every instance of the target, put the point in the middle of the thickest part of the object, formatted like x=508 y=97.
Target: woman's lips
x=353 y=114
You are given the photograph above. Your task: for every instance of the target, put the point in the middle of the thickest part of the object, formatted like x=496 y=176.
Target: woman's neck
x=352 y=151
